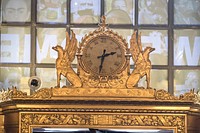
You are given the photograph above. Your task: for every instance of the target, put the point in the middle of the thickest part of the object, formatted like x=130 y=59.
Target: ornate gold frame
x=103 y=120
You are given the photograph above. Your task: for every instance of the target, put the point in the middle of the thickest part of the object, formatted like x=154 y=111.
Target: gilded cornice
x=93 y=94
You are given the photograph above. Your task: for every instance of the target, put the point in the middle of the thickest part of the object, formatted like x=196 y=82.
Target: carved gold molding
x=103 y=92
x=95 y=93
x=35 y=119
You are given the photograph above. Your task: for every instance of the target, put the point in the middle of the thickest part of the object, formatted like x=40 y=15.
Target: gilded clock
x=104 y=56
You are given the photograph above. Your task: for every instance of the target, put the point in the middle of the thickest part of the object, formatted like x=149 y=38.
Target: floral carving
x=132 y=120
x=164 y=95
x=42 y=93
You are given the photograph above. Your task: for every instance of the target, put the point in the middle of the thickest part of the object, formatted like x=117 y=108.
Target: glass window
x=125 y=33
x=187 y=11
x=16 y=10
x=186 y=47
x=152 y=11
x=48 y=77
x=185 y=80
x=51 y=11
x=80 y=33
x=15 y=44
x=46 y=39
x=157 y=39
x=159 y=80
x=15 y=76
x=85 y=11
x=120 y=11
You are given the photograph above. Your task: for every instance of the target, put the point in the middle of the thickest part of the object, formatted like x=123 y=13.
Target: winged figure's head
x=149 y=49
x=58 y=48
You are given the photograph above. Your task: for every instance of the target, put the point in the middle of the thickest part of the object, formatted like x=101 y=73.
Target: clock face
x=103 y=56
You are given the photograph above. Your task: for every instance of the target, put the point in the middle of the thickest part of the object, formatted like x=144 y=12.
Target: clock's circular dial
x=103 y=56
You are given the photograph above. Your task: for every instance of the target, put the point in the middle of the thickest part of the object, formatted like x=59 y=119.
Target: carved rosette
x=175 y=121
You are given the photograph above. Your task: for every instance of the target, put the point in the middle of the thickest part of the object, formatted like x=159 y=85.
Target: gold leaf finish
x=164 y=95
x=176 y=122
x=141 y=62
x=63 y=62
x=100 y=97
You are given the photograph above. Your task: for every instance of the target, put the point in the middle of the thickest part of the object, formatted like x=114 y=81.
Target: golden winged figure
x=142 y=64
x=64 y=60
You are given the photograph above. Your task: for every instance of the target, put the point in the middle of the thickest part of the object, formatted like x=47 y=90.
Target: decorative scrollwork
x=42 y=93
x=164 y=95
x=12 y=93
x=115 y=120
x=189 y=96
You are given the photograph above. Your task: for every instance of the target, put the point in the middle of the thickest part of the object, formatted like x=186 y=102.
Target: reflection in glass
x=90 y=130
x=51 y=11
x=48 y=77
x=186 y=47
x=80 y=33
x=157 y=39
x=15 y=76
x=85 y=11
x=187 y=11
x=152 y=11
x=46 y=39
x=185 y=80
x=159 y=80
x=120 y=11
x=125 y=33
x=15 y=45
x=16 y=10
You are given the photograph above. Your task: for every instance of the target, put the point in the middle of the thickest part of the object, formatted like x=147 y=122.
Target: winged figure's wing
x=71 y=46
x=135 y=47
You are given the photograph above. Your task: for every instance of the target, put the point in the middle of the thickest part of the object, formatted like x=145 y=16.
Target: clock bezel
x=99 y=33
x=96 y=71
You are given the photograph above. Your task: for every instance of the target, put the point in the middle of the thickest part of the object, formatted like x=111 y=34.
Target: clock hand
x=102 y=56
x=111 y=53
x=102 y=60
x=101 y=65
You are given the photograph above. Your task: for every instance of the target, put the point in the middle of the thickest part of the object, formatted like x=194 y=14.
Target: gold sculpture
x=63 y=62
x=141 y=61
x=101 y=97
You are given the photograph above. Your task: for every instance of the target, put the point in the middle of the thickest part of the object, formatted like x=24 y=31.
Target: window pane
x=120 y=11
x=186 y=47
x=51 y=11
x=157 y=39
x=85 y=11
x=152 y=11
x=15 y=76
x=80 y=33
x=46 y=39
x=187 y=11
x=16 y=10
x=15 y=45
x=185 y=80
x=159 y=80
x=125 y=33
x=48 y=77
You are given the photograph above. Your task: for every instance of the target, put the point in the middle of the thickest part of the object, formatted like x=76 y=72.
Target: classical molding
x=170 y=121
x=94 y=94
